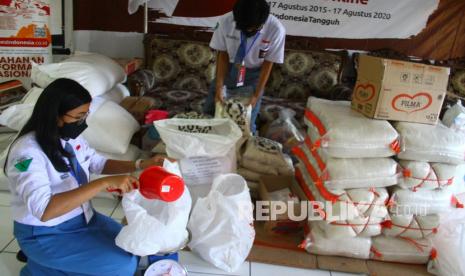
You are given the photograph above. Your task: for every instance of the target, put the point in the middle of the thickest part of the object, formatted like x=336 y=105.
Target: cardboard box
x=285 y=251
x=11 y=92
x=283 y=224
x=399 y=90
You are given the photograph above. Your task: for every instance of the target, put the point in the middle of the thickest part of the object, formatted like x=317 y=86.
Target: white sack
x=85 y=74
x=248 y=174
x=423 y=202
x=347 y=204
x=116 y=94
x=357 y=227
x=16 y=116
x=401 y=250
x=431 y=143
x=344 y=173
x=450 y=244
x=265 y=156
x=348 y=134
x=131 y=154
x=412 y=226
x=111 y=127
x=458 y=187
x=221 y=224
x=317 y=243
x=154 y=226
x=32 y=95
x=205 y=147
x=419 y=175
x=238 y=112
x=113 y=72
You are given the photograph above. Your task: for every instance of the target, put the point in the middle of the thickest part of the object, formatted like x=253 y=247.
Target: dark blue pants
x=74 y=248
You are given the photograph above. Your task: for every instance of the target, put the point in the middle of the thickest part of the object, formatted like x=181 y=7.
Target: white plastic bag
x=285 y=130
x=417 y=175
x=454 y=117
x=116 y=94
x=346 y=173
x=438 y=143
x=111 y=127
x=205 y=147
x=411 y=226
x=423 y=202
x=221 y=224
x=16 y=116
x=154 y=226
x=317 y=243
x=357 y=227
x=345 y=204
x=402 y=250
x=345 y=133
x=450 y=244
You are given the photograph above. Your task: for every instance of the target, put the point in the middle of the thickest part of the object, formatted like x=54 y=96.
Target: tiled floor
x=9 y=266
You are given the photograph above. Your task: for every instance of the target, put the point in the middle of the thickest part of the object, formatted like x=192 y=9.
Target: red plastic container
x=156 y=183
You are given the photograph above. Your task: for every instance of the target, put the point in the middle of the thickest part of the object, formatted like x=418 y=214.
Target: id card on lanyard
x=241 y=69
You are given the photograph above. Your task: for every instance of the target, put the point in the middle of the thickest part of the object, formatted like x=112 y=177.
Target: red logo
x=78 y=147
x=409 y=104
x=364 y=92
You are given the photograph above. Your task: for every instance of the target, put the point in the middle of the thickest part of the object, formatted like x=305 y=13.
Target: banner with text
x=352 y=19
x=24 y=37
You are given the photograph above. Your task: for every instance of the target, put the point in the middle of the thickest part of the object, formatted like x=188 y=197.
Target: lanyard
x=244 y=42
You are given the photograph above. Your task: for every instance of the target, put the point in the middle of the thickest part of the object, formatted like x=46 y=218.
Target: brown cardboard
x=399 y=90
x=268 y=184
x=284 y=250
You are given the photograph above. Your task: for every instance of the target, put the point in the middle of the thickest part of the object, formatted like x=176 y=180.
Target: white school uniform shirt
x=33 y=187
x=268 y=46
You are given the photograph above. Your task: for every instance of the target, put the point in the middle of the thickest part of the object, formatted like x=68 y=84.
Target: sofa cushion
x=305 y=73
x=181 y=64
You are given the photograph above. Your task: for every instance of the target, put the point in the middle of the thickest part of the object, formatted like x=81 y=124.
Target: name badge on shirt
x=240 y=74
x=64 y=176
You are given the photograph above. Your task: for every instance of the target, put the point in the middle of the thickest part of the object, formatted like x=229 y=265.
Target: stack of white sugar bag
x=346 y=163
x=110 y=127
x=429 y=158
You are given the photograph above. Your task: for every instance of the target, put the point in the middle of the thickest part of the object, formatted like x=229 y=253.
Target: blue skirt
x=74 y=248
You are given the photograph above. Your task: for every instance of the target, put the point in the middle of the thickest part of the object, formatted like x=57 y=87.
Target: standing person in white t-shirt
x=249 y=41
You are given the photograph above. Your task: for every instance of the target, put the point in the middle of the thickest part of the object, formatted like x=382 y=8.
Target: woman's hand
x=121 y=183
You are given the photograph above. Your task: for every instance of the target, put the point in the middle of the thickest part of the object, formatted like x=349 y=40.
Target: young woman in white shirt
x=48 y=169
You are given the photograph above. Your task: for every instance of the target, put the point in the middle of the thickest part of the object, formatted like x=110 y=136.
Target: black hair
x=250 y=13
x=58 y=98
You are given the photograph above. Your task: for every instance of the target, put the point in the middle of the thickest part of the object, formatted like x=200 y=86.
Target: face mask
x=72 y=130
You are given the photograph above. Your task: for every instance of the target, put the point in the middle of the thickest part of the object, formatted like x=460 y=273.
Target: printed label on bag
x=202 y=170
